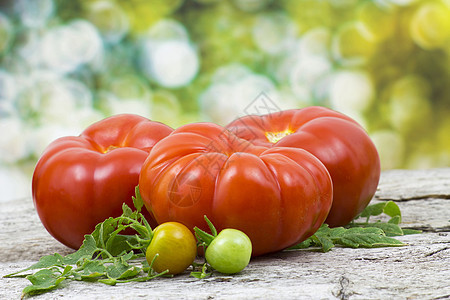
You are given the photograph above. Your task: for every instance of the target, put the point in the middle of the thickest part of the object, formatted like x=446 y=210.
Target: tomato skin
x=81 y=181
x=337 y=140
x=229 y=252
x=277 y=196
x=175 y=245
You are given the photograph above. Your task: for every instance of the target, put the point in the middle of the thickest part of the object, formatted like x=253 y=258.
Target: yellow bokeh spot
x=353 y=44
x=144 y=13
x=430 y=26
x=377 y=21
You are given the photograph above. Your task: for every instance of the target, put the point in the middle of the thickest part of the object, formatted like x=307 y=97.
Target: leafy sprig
x=109 y=257
x=106 y=256
x=203 y=241
x=361 y=234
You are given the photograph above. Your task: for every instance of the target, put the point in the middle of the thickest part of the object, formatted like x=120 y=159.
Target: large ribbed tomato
x=81 y=181
x=278 y=196
x=337 y=140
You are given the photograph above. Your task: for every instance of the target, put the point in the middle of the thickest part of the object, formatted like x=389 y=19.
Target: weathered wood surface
x=420 y=270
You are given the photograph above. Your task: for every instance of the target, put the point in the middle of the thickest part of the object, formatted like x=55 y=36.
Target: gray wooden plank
x=420 y=270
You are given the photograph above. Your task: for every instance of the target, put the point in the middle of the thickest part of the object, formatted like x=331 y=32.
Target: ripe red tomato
x=337 y=140
x=81 y=181
x=278 y=196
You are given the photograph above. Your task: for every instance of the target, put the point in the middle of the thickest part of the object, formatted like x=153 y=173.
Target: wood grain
x=420 y=270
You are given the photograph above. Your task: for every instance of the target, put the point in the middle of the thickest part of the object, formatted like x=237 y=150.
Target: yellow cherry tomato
x=175 y=245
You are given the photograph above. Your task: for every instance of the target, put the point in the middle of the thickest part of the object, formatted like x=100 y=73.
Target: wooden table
x=420 y=270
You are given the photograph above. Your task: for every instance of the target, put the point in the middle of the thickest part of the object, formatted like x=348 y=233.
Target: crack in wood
x=342 y=292
x=421 y=197
x=437 y=251
x=429 y=228
x=441 y=297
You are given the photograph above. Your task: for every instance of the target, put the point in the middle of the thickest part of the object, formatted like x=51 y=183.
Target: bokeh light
x=67 y=64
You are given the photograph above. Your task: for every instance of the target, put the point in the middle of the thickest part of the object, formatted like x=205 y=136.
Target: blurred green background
x=66 y=64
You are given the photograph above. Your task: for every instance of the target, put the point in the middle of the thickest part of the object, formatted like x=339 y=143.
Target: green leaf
x=120 y=269
x=117 y=244
x=137 y=199
x=407 y=231
x=390 y=208
x=203 y=273
x=49 y=261
x=323 y=241
x=395 y=220
x=104 y=255
x=372 y=210
x=108 y=281
x=43 y=281
x=303 y=245
x=211 y=227
x=127 y=212
x=142 y=230
x=369 y=237
x=389 y=229
x=203 y=237
x=105 y=229
x=354 y=237
x=91 y=269
x=87 y=250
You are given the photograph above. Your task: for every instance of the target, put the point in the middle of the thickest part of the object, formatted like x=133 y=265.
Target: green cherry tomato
x=175 y=245
x=229 y=252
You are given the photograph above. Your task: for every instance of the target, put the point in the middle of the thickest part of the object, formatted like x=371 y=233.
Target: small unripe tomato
x=176 y=248
x=229 y=252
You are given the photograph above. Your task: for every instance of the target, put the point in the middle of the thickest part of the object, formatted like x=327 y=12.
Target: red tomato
x=81 y=181
x=337 y=140
x=277 y=196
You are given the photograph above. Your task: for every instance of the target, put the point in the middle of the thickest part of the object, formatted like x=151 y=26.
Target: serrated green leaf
x=334 y=232
x=105 y=229
x=303 y=245
x=363 y=230
x=127 y=212
x=324 y=242
x=117 y=243
x=390 y=229
x=87 y=250
x=348 y=242
x=369 y=237
x=120 y=269
x=355 y=237
x=137 y=199
x=103 y=256
x=131 y=272
x=92 y=269
x=48 y=261
x=43 y=281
